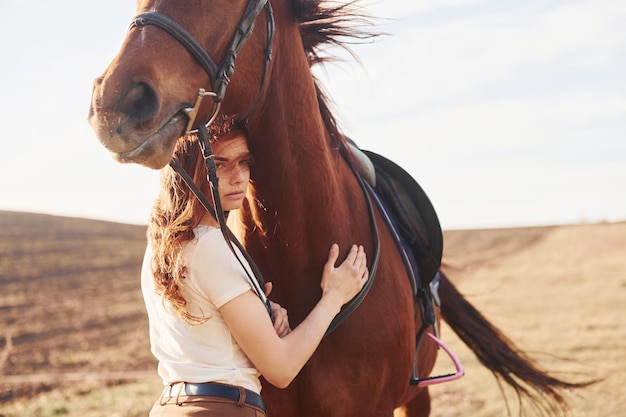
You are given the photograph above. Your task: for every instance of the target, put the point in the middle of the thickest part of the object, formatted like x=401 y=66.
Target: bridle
x=221 y=74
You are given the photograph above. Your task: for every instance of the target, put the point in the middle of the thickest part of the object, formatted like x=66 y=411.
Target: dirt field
x=73 y=332
x=69 y=300
x=560 y=294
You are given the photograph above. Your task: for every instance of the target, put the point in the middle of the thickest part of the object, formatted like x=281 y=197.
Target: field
x=73 y=331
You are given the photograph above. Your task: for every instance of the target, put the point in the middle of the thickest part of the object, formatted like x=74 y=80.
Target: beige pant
x=200 y=406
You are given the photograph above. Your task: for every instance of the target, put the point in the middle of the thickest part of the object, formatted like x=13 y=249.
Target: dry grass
x=71 y=309
x=561 y=299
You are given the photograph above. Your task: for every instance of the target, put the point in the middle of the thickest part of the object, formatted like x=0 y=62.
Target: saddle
x=409 y=208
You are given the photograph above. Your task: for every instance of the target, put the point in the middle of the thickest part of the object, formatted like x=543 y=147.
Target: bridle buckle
x=192 y=111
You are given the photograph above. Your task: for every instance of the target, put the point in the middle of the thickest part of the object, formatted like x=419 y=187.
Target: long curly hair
x=177 y=211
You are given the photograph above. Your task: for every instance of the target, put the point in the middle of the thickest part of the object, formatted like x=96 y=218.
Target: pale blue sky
x=508 y=113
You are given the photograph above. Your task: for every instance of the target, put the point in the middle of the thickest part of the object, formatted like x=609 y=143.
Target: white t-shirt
x=205 y=352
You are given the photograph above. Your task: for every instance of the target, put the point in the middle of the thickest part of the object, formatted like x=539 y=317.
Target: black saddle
x=414 y=214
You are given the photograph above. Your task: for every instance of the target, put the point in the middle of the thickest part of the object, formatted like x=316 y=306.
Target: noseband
x=221 y=74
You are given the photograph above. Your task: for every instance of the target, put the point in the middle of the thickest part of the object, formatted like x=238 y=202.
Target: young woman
x=209 y=330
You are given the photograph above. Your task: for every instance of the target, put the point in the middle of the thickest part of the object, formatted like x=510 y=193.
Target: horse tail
x=500 y=355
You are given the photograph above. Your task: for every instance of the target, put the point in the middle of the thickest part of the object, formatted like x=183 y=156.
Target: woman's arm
x=280 y=359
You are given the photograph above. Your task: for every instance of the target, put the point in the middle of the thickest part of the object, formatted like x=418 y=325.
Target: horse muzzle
x=131 y=129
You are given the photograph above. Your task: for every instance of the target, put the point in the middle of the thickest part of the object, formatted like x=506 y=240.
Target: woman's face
x=233 y=160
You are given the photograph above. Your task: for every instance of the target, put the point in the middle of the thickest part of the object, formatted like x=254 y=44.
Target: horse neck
x=305 y=187
x=299 y=175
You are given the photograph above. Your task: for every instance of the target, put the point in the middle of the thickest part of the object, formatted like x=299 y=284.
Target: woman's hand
x=345 y=281
x=281 y=321
x=279 y=314
x=280 y=358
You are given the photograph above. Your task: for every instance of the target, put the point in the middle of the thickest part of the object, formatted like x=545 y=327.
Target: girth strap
x=358 y=299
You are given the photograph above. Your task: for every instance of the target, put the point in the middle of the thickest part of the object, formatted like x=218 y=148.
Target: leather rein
x=220 y=75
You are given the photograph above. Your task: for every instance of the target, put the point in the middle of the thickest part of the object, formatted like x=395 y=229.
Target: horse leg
x=417 y=407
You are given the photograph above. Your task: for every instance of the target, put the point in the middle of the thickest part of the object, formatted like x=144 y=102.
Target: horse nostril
x=140 y=102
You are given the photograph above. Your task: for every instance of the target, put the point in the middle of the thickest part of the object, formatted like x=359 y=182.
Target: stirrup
x=432 y=380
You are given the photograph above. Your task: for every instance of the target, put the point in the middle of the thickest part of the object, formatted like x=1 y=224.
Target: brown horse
x=305 y=194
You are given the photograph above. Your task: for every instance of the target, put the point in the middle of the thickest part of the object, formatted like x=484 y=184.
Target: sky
x=508 y=113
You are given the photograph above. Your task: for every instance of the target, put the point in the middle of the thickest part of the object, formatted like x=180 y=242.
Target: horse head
x=172 y=71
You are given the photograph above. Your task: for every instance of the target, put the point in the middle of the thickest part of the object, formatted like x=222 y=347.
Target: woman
x=209 y=330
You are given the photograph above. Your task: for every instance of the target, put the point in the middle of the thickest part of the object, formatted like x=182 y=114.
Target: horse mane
x=324 y=24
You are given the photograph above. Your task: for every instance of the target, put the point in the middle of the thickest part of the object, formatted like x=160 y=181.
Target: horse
x=305 y=195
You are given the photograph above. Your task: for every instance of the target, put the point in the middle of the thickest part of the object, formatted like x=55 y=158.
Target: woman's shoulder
x=212 y=268
x=204 y=229
x=209 y=242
